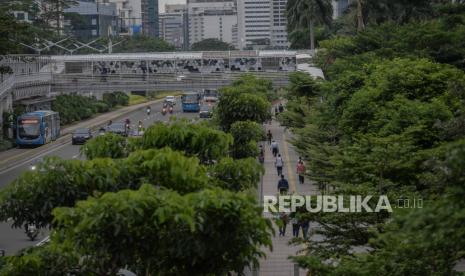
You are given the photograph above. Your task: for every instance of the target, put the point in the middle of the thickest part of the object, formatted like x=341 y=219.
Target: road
x=12 y=240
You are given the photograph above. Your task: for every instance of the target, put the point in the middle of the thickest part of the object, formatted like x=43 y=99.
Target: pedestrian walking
x=281 y=108
x=269 y=135
x=283 y=221
x=305 y=224
x=301 y=171
x=295 y=227
x=274 y=148
x=279 y=164
x=261 y=155
x=283 y=185
x=276 y=111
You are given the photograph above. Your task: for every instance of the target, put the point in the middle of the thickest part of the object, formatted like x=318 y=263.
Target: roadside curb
x=15 y=160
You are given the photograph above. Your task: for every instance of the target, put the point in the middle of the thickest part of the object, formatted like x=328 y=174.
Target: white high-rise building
x=172 y=25
x=253 y=23
x=279 y=25
x=130 y=16
x=212 y=19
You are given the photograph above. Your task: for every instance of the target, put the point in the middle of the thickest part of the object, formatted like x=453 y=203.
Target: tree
x=238 y=106
x=211 y=44
x=53 y=11
x=236 y=175
x=142 y=44
x=193 y=139
x=109 y=145
x=246 y=135
x=31 y=198
x=205 y=233
x=307 y=13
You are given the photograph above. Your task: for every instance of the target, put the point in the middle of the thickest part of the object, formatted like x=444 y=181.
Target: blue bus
x=37 y=128
x=190 y=102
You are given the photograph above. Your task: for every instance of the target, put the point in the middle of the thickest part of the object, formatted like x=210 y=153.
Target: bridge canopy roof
x=172 y=55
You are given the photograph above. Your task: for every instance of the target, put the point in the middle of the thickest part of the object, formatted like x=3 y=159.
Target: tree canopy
x=211 y=44
x=387 y=120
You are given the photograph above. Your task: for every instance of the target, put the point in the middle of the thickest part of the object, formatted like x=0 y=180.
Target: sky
x=161 y=3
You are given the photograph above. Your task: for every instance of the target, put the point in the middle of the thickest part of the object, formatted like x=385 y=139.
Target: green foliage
x=236 y=175
x=391 y=108
x=238 y=106
x=48 y=260
x=32 y=196
x=165 y=168
x=193 y=139
x=143 y=44
x=115 y=99
x=246 y=135
x=211 y=44
x=109 y=145
x=208 y=233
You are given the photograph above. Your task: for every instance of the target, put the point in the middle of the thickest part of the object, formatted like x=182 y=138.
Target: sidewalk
x=277 y=262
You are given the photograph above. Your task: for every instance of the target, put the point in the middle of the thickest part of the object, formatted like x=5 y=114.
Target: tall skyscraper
x=150 y=17
x=211 y=19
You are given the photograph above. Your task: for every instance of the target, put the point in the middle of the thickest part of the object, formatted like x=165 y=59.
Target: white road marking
x=36 y=157
x=44 y=241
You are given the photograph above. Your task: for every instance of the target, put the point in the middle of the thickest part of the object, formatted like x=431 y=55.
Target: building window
x=94 y=21
x=94 y=32
x=20 y=16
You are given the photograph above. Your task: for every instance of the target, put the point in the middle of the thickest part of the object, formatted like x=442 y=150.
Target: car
x=117 y=128
x=205 y=111
x=81 y=135
x=136 y=133
x=170 y=100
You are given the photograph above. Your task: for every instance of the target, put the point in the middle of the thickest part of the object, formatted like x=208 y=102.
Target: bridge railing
x=6 y=85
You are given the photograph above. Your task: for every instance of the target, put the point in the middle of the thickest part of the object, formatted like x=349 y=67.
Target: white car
x=170 y=99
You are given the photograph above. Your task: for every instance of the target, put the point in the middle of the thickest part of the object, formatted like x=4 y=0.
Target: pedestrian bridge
x=34 y=79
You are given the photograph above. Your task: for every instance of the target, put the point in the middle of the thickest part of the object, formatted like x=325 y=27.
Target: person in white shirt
x=279 y=164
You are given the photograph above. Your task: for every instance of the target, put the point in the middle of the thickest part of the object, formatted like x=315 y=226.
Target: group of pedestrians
x=283 y=219
x=283 y=185
x=298 y=222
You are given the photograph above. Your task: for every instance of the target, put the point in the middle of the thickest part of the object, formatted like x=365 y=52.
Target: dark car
x=117 y=128
x=206 y=111
x=81 y=135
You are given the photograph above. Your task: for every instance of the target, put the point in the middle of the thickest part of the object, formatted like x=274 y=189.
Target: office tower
x=172 y=25
x=254 y=23
x=211 y=19
x=150 y=17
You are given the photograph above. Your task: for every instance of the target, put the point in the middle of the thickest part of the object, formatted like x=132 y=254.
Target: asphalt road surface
x=12 y=240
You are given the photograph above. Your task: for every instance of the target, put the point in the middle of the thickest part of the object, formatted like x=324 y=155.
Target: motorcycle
x=31 y=231
x=171 y=110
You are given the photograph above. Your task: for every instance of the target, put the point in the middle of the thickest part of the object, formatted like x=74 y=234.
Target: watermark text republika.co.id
x=336 y=203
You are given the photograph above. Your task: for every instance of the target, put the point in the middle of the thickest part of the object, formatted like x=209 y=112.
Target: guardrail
x=6 y=85
x=166 y=81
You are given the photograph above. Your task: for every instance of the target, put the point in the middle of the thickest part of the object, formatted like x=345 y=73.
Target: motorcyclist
x=148 y=110
x=170 y=108
x=109 y=123
x=128 y=124
x=163 y=111
x=140 y=126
